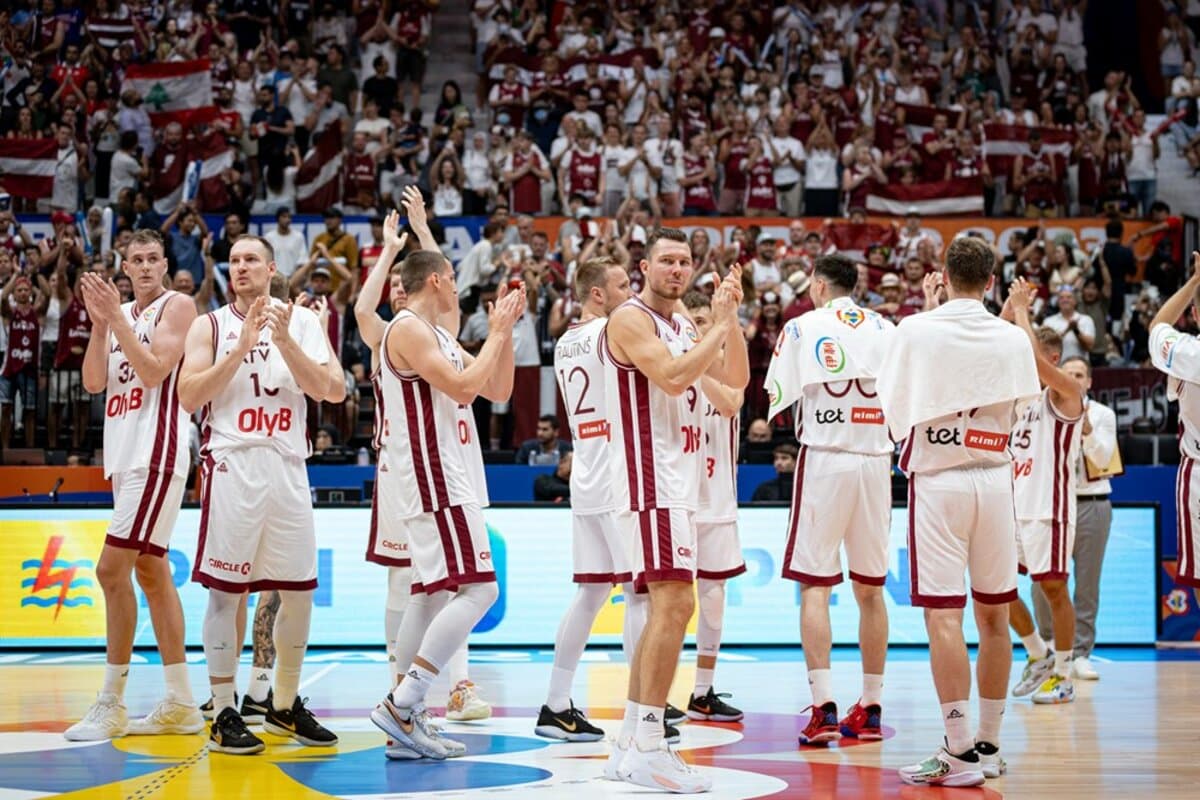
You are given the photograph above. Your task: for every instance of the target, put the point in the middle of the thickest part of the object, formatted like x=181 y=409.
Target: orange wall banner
x=40 y=480
x=1088 y=231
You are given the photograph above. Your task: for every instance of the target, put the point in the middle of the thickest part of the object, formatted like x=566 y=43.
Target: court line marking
x=311 y=679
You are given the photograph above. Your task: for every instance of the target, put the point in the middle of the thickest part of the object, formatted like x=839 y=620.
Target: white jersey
x=580 y=374
x=1178 y=354
x=843 y=416
x=718 y=490
x=429 y=442
x=658 y=456
x=262 y=406
x=144 y=428
x=1045 y=446
x=976 y=437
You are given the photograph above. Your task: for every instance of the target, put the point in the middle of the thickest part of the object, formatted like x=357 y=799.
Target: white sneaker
x=993 y=766
x=1036 y=671
x=943 y=769
x=106 y=719
x=1082 y=669
x=1055 y=690
x=615 y=757
x=664 y=770
x=453 y=749
x=408 y=727
x=466 y=704
x=398 y=752
x=168 y=717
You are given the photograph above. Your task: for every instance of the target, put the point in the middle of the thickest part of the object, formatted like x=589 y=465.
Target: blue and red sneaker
x=863 y=722
x=822 y=727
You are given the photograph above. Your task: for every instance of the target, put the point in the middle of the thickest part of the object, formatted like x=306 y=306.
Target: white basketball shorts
x=449 y=548
x=601 y=548
x=719 y=551
x=1044 y=549
x=145 y=507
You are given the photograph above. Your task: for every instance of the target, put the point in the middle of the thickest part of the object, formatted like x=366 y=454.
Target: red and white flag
x=211 y=156
x=112 y=31
x=919 y=119
x=1003 y=143
x=27 y=166
x=174 y=91
x=852 y=240
x=318 y=181
x=938 y=198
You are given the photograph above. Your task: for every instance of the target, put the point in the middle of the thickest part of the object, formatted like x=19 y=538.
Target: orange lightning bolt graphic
x=47 y=577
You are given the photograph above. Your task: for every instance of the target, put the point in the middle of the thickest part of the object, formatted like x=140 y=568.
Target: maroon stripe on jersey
x=145 y=503
x=794 y=514
x=166 y=470
x=377 y=389
x=463 y=532
x=624 y=381
x=437 y=475
x=914 y=584
x=416 y=451
x=207 y=475
x=641 y=387
x=1187 y=545
x=907 y=452
x=647 y=535
x=453 y=566
x=1056 y=495
x=374 y=530
x=666 y=548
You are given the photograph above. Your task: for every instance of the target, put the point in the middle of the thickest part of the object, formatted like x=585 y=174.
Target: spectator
x=1077 y=330
x=289 y=243
x=476 y=270
x=127 y=170
x=546 y=447
x=1175 y=44
x=779 y=488
x=802 y=302
x=21 y=311
x=1141 y=172
x=820 y=174
x=335 y=244
x=410 y=29
x=1117 y=263
x=342 y=81
x=1093 y=305
x=555 y=487
x=1035 y=176
x=184 y=231
x=698 y=178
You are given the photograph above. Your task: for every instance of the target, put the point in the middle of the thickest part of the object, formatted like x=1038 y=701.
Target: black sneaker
x=207 y=709
x=229 y=734
x=670 y=733
x=674 y=716
x=298 y=723
x=570 y=726
x=712 y=707
x=254 y=711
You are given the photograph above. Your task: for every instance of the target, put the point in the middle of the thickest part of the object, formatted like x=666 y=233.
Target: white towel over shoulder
x=840 y=342
x=953 y=358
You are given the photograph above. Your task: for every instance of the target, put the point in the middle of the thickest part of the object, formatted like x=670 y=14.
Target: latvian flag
x=111 y=32
x=938 y=198
x=318 y=181
x=212 y=156
x=175 y=91
x=919 y=119
x=1003 y=143
x=27 y=166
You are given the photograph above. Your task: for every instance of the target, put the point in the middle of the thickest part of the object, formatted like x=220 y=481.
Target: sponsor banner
x=1133 y=393
x=49 y=595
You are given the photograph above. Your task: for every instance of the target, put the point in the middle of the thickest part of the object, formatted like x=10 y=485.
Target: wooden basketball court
x=1131 y=734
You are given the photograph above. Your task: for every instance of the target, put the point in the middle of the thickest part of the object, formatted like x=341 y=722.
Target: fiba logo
x=55 y=582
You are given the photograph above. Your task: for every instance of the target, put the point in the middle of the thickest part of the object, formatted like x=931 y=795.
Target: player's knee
x=482 y=594
x=817 y=596
x=113 y=572
x=992 y=620
x=867 y=595
x=1055 y=591
x=153 y=576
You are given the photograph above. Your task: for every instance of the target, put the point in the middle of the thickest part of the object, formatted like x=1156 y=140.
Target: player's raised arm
x=732 y=368
x=1065 y=392
x=370 y=326
x=200 y=378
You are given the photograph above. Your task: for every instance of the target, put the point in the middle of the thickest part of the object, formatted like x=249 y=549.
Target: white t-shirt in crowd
x=820 y=170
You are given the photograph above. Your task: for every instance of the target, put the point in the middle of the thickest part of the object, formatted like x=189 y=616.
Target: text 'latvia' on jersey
x=579 y=371
x=844 y=416
x=262 y=405
x=718 y=491
x=657 y=453
x=1045 y=446
x=144 y=428
x=977 y=437
x=430 y=445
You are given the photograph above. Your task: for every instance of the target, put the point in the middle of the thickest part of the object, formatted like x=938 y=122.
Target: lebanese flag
x=1003 y=143
x=919 y=119
x=175 y=91
x=318 y=181
x=212 y=155
x=27 y=166
x=939 y=198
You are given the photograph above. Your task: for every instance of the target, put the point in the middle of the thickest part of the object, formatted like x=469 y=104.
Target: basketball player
x=718 y=547
x=133 y=356
x=1178 y=355
x=428 y=384
x=845 y=453
x=948 y=387
x=654 y=360
x=1045 y=446
x=250 y=366
x=602 y=556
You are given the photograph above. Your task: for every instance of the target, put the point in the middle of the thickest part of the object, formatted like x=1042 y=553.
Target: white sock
x=260 y=683
x=291 y=640
x=176 y=678
x=115 y=676
x=628 y=723
x=1062 y=662
x=222 y=698
x=820 y=681
x=456 y=667
x=559 y=697
x=704 y=681
x=1035 y=646
x=956 y=718
x=991 y=714
x=872 y=693
x=649 y=732
x=414 y=687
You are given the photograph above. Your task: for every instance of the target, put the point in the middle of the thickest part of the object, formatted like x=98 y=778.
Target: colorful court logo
x=54 y=582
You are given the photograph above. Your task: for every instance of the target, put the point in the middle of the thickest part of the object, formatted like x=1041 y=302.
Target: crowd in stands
x=613 y=115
